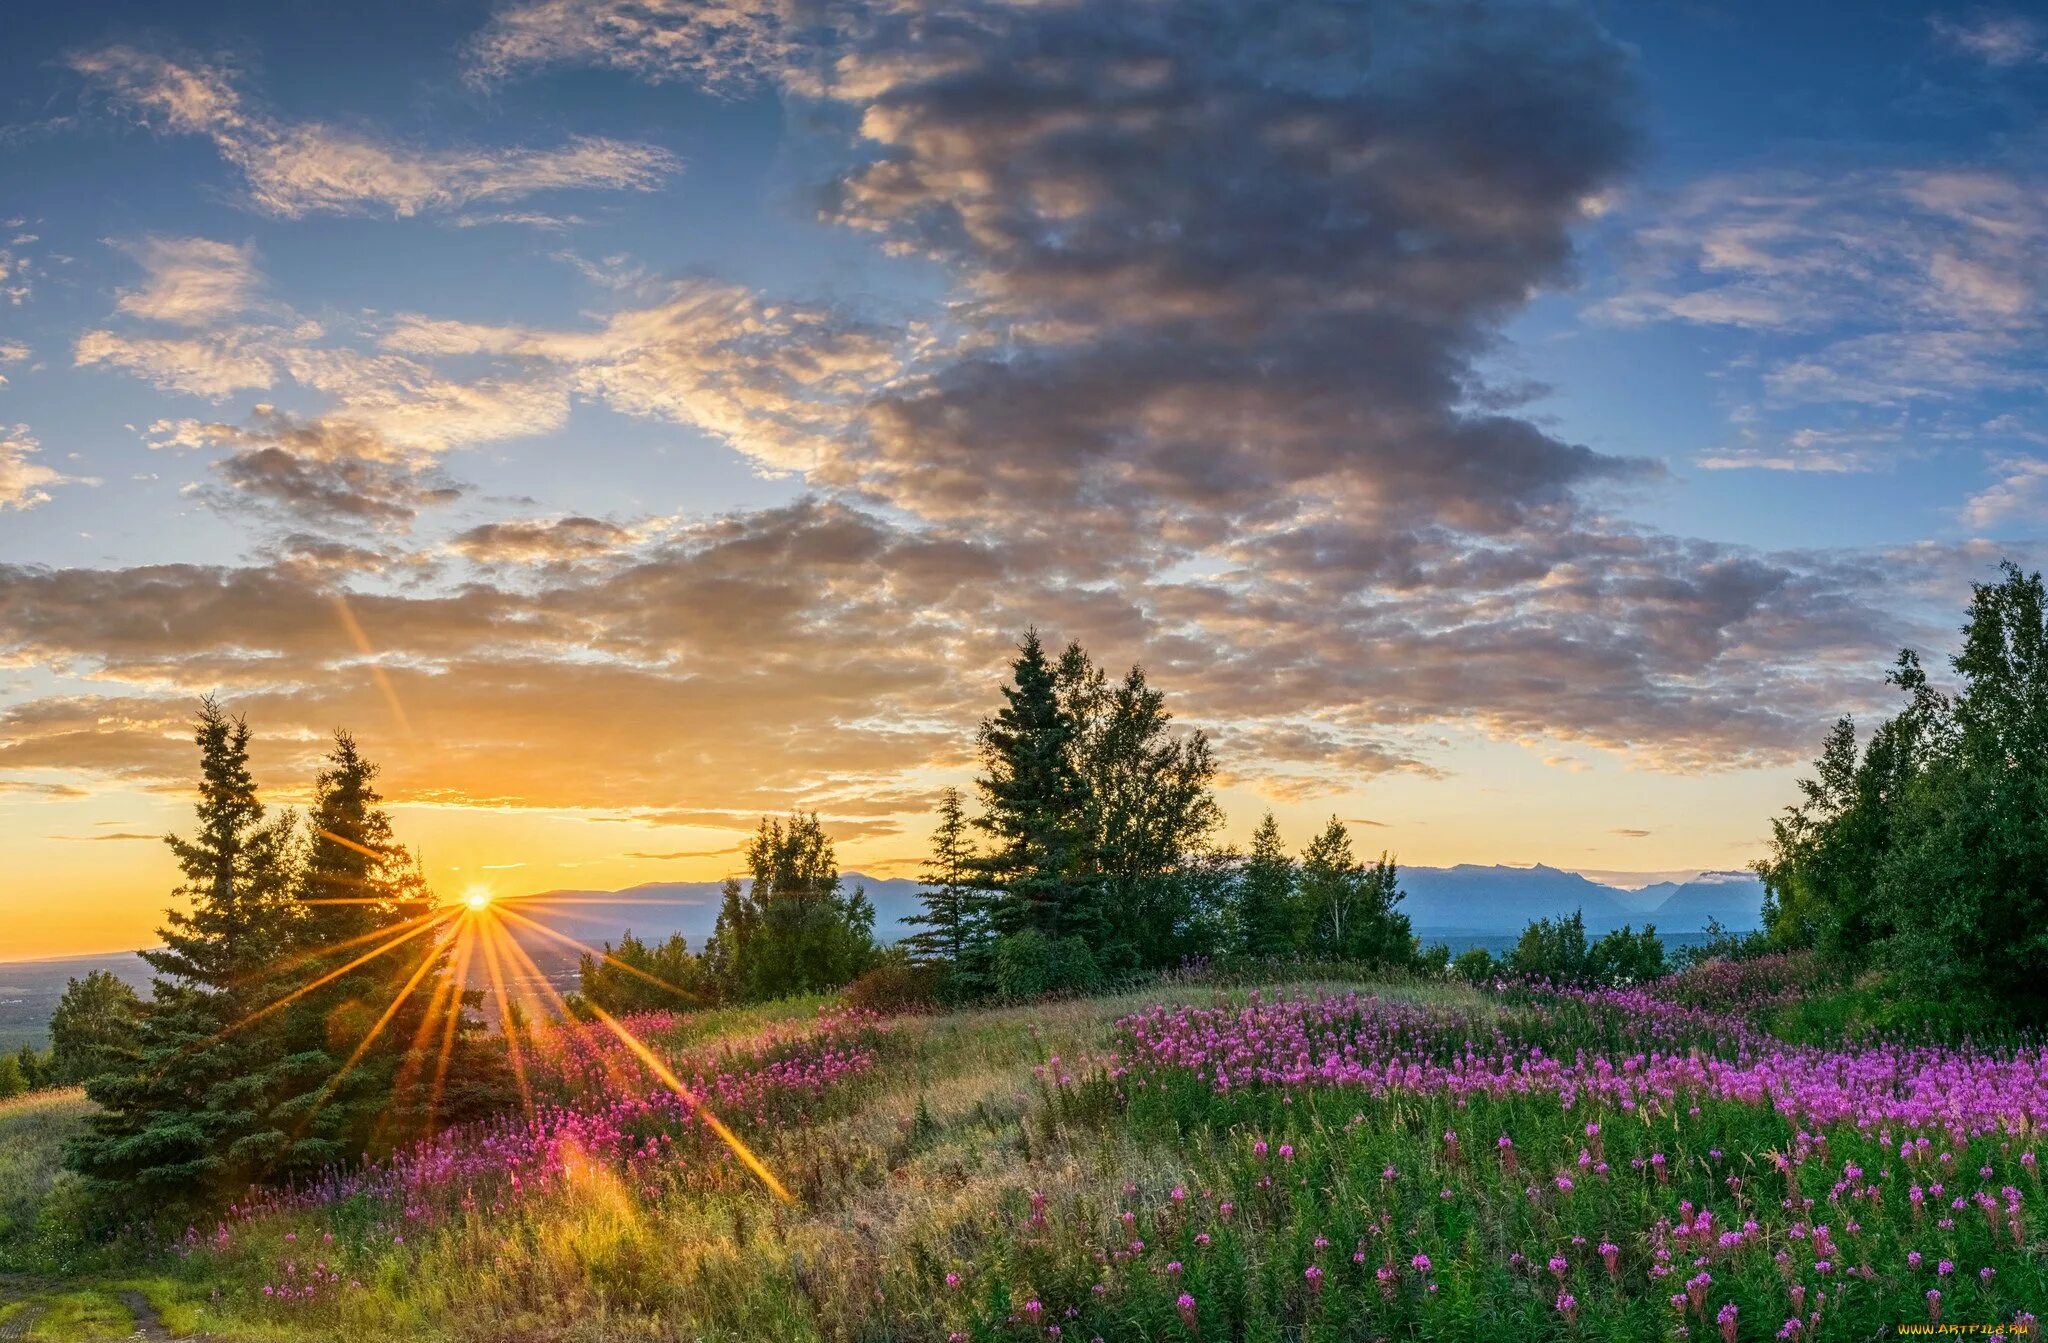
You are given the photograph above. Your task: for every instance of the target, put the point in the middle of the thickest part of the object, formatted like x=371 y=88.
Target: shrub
x=896 y=985
x=1029 y=964
x=1475 y=966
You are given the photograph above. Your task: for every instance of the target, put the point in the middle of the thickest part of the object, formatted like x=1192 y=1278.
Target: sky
x=1517 y=429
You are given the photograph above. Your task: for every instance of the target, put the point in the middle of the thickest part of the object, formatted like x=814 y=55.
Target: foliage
x=1720 y=944
x=1265 y=897
x=347 y=1034
x=1476 y=965
x=195 y=1119
x=1346 y=908
x=792 y=929
x=1029 y=964
x=1148 y=817
x=954 y=920
x=1035 y=807
x=897 y=984
x=1557 y=951
x=95 y=1028
x=636 y=977
x=1408 y=1162
x=1923 y=853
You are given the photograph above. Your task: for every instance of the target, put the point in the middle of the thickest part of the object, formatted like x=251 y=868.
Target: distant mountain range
x=1494 y=901
x=1457 y=904
x=1462 y=901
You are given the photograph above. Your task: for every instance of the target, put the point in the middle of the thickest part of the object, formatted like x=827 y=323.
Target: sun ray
x=589 y=950
x=427 y=963
x=675 y=1084
x=354 y=629
x=489 y=933
x=290 y=963
x=465 y=952
x=570 y=1021
x=306 y=988
x=347 y=843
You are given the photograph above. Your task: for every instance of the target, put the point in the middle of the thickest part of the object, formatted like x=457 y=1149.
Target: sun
x=477 y=898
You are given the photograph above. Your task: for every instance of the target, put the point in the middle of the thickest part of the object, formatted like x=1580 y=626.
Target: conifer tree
x=954 y=917
x=1265 y=895
x=359 y=888
x=1149 y=815
x=194 y=1116
x=1036 y=808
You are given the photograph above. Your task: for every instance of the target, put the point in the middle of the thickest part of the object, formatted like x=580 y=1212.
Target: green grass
x=32 y=1133
x=81 y=1317
x=963 y=1152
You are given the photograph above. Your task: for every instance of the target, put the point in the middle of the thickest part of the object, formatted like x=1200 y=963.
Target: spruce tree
x=954 y=917
x=193 y=1118
x=359 y=888
x=1265 y=895
x=1150 y=813
x=1036 y=808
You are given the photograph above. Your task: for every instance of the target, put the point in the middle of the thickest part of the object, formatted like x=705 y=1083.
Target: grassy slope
x=933 y=1162
x=879 y=1181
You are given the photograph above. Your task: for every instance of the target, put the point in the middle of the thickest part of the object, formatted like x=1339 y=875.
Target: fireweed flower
x=1726 y=1319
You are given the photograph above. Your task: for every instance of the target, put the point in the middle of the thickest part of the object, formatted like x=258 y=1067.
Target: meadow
x=1315 y=1160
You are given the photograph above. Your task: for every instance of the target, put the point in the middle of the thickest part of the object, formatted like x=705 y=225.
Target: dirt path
x=147 y=1324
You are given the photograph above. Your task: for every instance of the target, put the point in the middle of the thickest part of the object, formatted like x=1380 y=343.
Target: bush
x=1074 y=968
x=1433 y=962
x=1029 y=964
x=1476 y=966
x=896 y=985
x=1626 y=957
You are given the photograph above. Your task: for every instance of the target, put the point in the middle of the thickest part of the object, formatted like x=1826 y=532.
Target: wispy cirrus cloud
x=2000 y=40
x=294 y=169
x=1886 y=309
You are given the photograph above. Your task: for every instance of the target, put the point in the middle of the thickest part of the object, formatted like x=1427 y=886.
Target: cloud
x=686 y=853
x=22 y=481
x=1871 y=302
x=779 y=381
x=528 y=542
x=1999 y=40
x=1208 y=258
x=294 y=169
x=215 y=366
x=2019 y=495
x=1630 y=833
x=1204 y=390
x=191 y=281
x=1925 y=248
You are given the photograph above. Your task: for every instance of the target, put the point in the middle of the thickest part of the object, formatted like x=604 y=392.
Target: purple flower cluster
x=1384 y=1047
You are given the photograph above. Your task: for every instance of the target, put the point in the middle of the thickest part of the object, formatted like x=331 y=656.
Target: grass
x=32 y=1133
x=987 y=1174
x=81 y=1317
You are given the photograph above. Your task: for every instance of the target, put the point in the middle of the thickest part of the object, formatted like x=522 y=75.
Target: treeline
x=286 y=1030
x=1915 y=864
x=1087 y=856
x=1090 y=857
